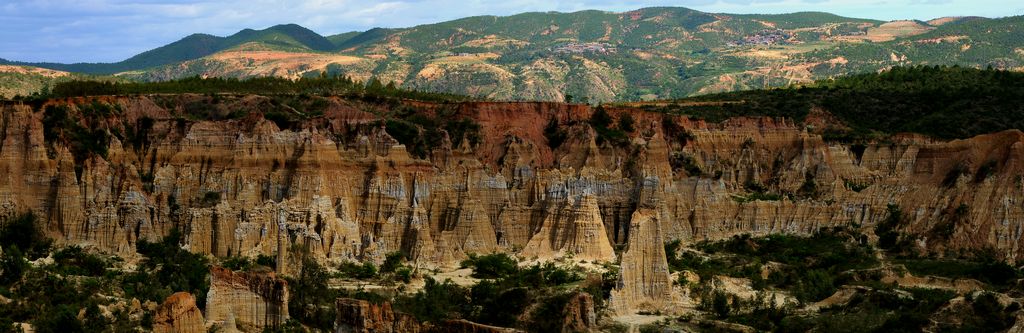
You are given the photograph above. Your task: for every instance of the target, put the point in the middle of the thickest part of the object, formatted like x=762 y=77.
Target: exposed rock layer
x=360 y=316
x=179 y=314
x=336 y=189
x=250 y=301
x=579 y=314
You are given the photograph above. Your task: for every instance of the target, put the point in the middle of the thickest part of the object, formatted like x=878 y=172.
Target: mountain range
x=593 y=56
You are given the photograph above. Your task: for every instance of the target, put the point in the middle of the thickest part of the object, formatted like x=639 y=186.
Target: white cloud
x=111 y=30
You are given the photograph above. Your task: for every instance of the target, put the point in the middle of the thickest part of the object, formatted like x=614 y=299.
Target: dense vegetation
x=506 y=294
x=806 y=265
x=15 y=83
x=813 y=268
x=52 y=296
x=421 y=132
x=320 y=85
x=944 y=102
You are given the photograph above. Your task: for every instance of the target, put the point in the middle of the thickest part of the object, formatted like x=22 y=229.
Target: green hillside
x=596 y=56
x=25 y=81
x=342 y=37
x=289 y=37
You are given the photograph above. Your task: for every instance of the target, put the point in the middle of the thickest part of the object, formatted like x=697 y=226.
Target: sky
x=113 y=30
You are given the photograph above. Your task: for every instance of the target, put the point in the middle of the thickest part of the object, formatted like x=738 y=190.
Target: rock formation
x=574 y=229
x=644 y=282
x=337 y=188
x=361 y=316
x=179 y=314
x=252 y=301
x=579 y=314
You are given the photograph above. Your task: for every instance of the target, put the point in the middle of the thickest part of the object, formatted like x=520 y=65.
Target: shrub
x=364 y=271
x=627 y=123
x=886 y=230
x=23 y=233
x=436 y=301
x=167 y=269
x=266 y=261
x=404 y=274
x=312 y=301
x=491 y=266
x=392 y=262
x=555 y=134
x=210 y=199
x=12 y=266
x=75 y=261
x=237 y=263
x=720 y=304
x=600 y=120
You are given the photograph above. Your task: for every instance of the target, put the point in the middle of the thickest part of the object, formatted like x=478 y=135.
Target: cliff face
x=179 y=314
x=644 y=281
x=245 y=187
x=360 y=316
x=246 y=301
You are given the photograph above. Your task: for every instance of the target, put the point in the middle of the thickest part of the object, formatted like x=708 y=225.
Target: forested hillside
x=944 y=102
x=589 y=56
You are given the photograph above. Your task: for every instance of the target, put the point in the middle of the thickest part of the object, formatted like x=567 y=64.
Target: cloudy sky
x=112 y=30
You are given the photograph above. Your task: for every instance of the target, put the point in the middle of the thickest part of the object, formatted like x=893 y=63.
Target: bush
x=167 y=269
x=237 y=263
x=554 y=133
x=210 y=199
x=392 y=262
x=12 y=266
x=814 y=285
x=627 y=123
x=720 y=304
x=888 y=237
x=436 y=301
x=491 y=266
x=75 y=261
x=404 y=274
x=312 y=301
x=600 y=120
x=364 y=271
x=23 y=233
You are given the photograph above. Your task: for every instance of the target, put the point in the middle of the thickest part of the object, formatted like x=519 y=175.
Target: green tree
x=12 y=265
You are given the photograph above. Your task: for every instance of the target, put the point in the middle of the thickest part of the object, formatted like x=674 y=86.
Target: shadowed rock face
x=360 y=316
x=246 y=187
x=579 y=314
x=249 y=301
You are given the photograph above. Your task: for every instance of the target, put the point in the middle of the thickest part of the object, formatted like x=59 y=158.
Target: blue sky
x=112 y=30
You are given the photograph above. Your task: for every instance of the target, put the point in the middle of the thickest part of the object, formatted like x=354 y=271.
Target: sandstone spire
x=644 y=282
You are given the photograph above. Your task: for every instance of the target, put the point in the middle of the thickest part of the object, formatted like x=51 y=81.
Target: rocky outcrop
x=574 y=229
x=246 y=301
x=644 y=282
x=336 y=189
x=361 y=316
x=579 y=314
x=179 y=314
